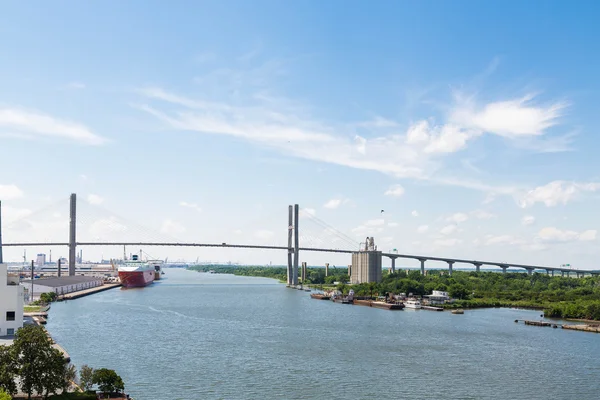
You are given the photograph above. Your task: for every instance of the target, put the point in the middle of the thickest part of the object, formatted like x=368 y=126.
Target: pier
x=591 y=327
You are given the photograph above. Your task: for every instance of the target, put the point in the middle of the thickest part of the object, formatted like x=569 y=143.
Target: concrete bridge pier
x=423 y=266
x=529 y=271
x=562 y=273
x=504 y=267
x=393 y=264
x=450 y=263
x=477 y=267
x=552 y=272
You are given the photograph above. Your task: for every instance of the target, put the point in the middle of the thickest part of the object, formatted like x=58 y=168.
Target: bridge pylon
x=293 y=245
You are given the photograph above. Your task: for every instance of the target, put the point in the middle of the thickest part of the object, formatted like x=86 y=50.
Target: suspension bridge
x=345 y=245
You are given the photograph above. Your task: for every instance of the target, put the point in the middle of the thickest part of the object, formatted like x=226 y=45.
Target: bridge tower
x=293 y=245
x=72 y=234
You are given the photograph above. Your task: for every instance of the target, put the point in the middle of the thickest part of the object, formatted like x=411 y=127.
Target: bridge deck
x=263 y=247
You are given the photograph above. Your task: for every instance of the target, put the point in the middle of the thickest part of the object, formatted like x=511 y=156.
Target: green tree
x=458 y=291
x=68 y=377
x=53 y=373
x=33 y=349
x=4 y=395
x=8 y=369
x=108 y=381
x=86 y=377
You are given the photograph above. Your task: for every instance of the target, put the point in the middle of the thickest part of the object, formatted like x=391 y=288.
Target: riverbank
x=556 y=296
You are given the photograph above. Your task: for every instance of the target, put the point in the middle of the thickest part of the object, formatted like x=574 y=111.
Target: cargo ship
x=157 y=265
x=136 y=273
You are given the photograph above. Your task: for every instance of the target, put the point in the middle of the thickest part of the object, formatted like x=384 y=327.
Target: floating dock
x=379 y=304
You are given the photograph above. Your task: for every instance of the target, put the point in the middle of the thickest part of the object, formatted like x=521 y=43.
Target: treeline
x=314 y=276
x=557 y=296
x=33 y=366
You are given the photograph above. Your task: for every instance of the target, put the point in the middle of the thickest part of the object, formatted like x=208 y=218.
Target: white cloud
x=172 y=227
x=528 y=220
x=10 y=192
x=263 y=234
x=481 y=214
x=458 y=218
x=588 y=235
x=508 y=118
x=193 y=206
x=555 y=235
x=414 y=213
x=438 y=139
x=392 y=224
x=375 y=222
x=395 y=191
x=503 y=240
x=361 y=144
x=95 y=199
x=423 y=228
x=556 y=192
x=447 y=242
x=33 y=123
x=448 y=230
x=333 y=204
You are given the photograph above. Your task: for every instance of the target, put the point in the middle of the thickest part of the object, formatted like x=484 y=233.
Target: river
x=206 y=336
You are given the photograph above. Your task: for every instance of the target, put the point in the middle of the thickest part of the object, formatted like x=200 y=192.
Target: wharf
x=432 y=308
x=87 y=292
x=575 y=327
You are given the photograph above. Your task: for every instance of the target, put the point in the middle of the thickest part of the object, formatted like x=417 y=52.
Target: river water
x=206 y=336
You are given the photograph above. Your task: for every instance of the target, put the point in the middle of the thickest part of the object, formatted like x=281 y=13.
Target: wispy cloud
x=10 y=192
x=193 y=206
x=556 y=192
x=36 y=124
x=395 y=191
x=95 y=199
x=508 y=118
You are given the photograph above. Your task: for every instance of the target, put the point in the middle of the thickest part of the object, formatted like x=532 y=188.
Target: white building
x=41 y=260
x=63 y=285
x=438 y=297
x=11 y=302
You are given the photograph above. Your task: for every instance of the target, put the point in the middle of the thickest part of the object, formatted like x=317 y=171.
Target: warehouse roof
x=65 y=280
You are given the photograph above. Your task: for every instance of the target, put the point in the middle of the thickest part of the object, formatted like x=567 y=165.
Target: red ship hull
x=136 y=278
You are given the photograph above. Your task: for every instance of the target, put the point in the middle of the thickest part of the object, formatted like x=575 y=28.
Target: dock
x=432 y=308
x=575 y=327
x=87 y=292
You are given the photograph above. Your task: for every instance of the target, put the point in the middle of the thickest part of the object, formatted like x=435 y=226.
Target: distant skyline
x=471 y=124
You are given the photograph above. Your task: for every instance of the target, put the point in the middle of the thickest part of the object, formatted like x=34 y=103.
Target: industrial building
x=11 y=302
x=63 y=285
x=366 y=264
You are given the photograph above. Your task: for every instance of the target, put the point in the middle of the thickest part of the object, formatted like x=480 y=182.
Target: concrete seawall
x=87 y=292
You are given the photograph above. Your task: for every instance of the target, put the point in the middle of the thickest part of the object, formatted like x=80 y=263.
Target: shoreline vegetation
x=558 y=297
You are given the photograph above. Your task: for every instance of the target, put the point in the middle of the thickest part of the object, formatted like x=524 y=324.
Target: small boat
x=458 y=311
x=319 y=296
x=415 y=304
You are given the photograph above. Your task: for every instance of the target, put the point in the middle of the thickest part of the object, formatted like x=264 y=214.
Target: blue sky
x=471 y=124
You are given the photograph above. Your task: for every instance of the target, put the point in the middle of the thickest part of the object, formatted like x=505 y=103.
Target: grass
x=32 y=308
